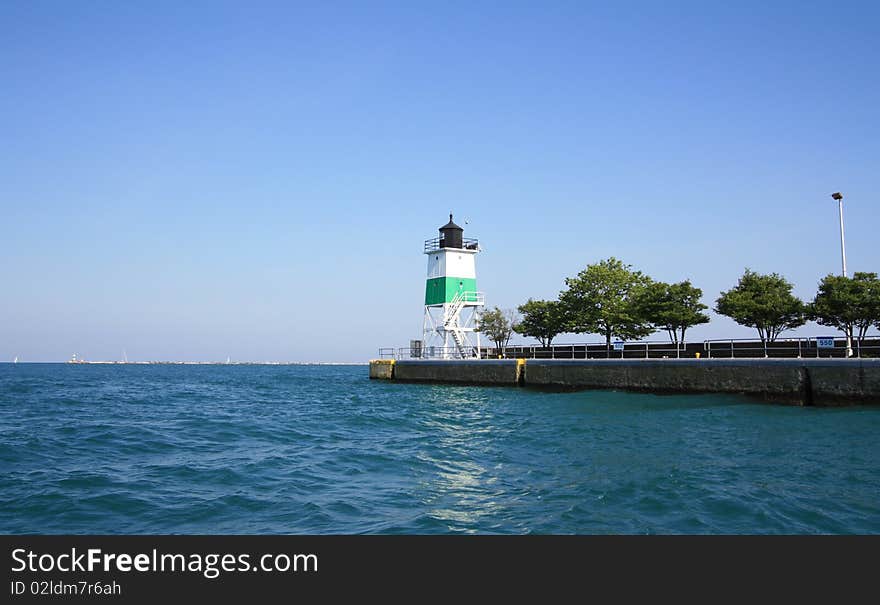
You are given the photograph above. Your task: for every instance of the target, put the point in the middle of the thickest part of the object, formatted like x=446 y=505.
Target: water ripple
x=305 y=449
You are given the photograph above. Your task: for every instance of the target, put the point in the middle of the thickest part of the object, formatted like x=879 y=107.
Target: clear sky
x=188 y=180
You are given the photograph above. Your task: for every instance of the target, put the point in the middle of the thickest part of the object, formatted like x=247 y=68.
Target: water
x=322 y=449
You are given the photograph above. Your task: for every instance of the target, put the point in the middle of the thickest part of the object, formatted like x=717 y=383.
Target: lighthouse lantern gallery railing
x=467 y=243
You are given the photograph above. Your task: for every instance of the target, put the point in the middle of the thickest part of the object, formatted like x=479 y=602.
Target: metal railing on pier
x=730 y=348
x=437 y=353
x=791 y=347
x=589 y=350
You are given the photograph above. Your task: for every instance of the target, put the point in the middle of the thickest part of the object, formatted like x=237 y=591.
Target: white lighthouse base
x=449 y=330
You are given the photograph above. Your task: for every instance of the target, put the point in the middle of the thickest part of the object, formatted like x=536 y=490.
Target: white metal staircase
x=451 y=324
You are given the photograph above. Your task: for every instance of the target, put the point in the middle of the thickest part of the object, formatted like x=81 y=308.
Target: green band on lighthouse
x=441 y=290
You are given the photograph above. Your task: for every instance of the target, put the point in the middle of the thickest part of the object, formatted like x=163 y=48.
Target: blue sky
x=186 y=180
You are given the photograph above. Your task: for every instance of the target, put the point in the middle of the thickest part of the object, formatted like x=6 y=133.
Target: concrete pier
x=821 y=382
x=476 y=372
x=382 y=368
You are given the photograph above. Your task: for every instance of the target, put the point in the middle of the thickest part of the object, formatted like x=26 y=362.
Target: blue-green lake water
x=322 y=449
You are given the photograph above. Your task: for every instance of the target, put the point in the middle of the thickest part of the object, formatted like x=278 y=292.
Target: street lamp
x=839 y=198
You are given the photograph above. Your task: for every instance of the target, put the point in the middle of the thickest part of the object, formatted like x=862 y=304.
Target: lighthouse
x=451 y=297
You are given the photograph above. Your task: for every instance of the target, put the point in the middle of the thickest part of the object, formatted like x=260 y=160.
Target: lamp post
x=839 y=198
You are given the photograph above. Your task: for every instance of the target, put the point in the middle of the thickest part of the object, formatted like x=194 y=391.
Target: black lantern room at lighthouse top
x=451 y=236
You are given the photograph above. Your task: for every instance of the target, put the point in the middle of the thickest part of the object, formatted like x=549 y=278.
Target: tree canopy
x=541 y=319
x=601 y=300
x=850 y=304
x=672 y=307
x=764 y=302
x=612 y=299
x=498 y=325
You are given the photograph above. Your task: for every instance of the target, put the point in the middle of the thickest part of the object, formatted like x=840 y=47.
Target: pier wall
x=477 y=372
x=823 y=382
x=382 y=369
x=777 y=381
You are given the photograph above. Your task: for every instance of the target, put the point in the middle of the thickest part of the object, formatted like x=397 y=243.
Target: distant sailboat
x=15 y=360
x=229 y=360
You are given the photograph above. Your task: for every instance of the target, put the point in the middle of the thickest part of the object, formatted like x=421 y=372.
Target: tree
x=498 y=325
x=850 y=304
x=764 y=302
x=601 y=300
x=541 y=319
x=672 y=307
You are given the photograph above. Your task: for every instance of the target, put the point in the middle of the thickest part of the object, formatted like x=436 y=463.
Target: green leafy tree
x=672 y=307
x=541 y=319
x=497 y=324
x=850 y=304
x=764 y=302
x=601 y=300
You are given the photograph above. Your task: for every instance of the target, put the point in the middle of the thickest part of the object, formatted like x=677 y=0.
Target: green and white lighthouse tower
x=451 y=297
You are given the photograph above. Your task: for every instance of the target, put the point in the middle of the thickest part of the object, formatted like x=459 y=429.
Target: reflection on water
x=460 y=492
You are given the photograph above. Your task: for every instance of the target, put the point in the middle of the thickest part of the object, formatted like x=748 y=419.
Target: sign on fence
x=824 y=342
x=618 y=345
